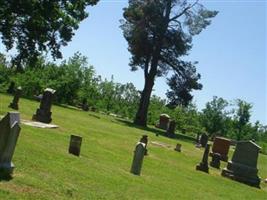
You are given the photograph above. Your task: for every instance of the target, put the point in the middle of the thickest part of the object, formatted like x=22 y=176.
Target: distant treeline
x=75 y=80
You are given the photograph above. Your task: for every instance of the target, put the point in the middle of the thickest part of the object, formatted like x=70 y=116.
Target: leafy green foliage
x=159 y=33
x=37 y=26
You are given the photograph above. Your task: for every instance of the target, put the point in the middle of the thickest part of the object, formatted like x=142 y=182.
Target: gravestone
x=9 y=133
x=171 y=129
x=215 y=162
x=204 y=139
x=14 y=104
x=203 y=166
x=11 y=88
x=221 y=146
x=43 y=114
x=178 y=147
x=164 y=121
x=243 y=166
x=75 y=145
x=85 y=106
x=144 y=140
x=138 y=158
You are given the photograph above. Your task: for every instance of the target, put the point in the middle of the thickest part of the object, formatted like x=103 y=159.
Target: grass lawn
x=45 y=170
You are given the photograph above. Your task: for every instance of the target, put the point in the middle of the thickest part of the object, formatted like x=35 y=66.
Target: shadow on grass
x=94 y=115
x=157 y=131
x=5 y=177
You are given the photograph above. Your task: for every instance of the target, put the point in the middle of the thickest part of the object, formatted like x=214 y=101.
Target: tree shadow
x=158 y=132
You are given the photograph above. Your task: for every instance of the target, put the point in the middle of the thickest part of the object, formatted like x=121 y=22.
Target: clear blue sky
x=231 y=51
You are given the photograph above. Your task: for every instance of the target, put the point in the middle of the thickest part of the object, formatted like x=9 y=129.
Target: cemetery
x=133 y=100
x=107 y=166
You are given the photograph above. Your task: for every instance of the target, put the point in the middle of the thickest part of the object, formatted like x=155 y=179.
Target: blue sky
x=231 y=51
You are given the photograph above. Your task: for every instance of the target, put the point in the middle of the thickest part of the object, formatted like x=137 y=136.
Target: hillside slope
x=45 y=170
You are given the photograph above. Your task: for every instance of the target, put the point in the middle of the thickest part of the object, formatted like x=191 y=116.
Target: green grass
x=45 y=170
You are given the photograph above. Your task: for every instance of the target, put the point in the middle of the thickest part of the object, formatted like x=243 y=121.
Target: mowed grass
x=45 y=170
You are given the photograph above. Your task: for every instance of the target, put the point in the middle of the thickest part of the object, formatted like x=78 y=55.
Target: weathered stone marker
x=171 y=129
x=243 y=166
x=15 y=103
x=178 y=147
x=163 y=121
x=85 y=106
x=203 y=166
x=138 y=158
x=43 y=114
x=144 y=140
x=75 y=145
x=204 y=140
x=11 y=88
x=215 y=162
x=221 y=146
x=9 y=133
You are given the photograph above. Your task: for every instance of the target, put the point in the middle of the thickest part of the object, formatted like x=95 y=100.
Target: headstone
x=85 y=106
x=11 y=88
x=243 y=166
x=164 y=121
x=178 y=147
x=171 y=129
x=221 y=146
x=203 y=166
x=9 y=133
x=75 y=145
x=43 y=114
x=204 y=140
x=215 y=162
x=15 y=103
x=144 y=140
x=138 y=158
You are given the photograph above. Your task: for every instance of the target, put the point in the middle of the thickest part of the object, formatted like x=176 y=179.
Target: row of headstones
x=167 y=124
x=43 y=113
x=242 y=167
x=9 y=133
x=46 y=95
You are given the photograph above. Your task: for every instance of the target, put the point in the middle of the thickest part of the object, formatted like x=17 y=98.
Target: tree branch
x=184 y=11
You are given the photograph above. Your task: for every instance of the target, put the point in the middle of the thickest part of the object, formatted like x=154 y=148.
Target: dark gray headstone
x=215 y=162
x=204 y=140
x=75 y=145
x=243 y=166
x=11 y=88
x=171 y=129
x=203 y=166
x=43 y=114
x=9 y=133
x=138 y=158
x=15 y=103
x=85 y=106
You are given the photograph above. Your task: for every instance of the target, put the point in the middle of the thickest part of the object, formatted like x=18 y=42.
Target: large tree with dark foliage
x=181 y=86
x=158 y=33
x=35 y=26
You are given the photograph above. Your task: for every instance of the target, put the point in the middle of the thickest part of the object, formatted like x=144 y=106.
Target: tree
x=181 y=86
x=37 y=26
x=242 y=117
x=158 y=33
x=214 y=116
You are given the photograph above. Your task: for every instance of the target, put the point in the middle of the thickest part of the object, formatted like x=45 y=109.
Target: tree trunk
x=141 y=115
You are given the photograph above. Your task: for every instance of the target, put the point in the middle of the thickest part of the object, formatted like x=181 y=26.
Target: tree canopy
x=33 y=27
x=159 y=33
